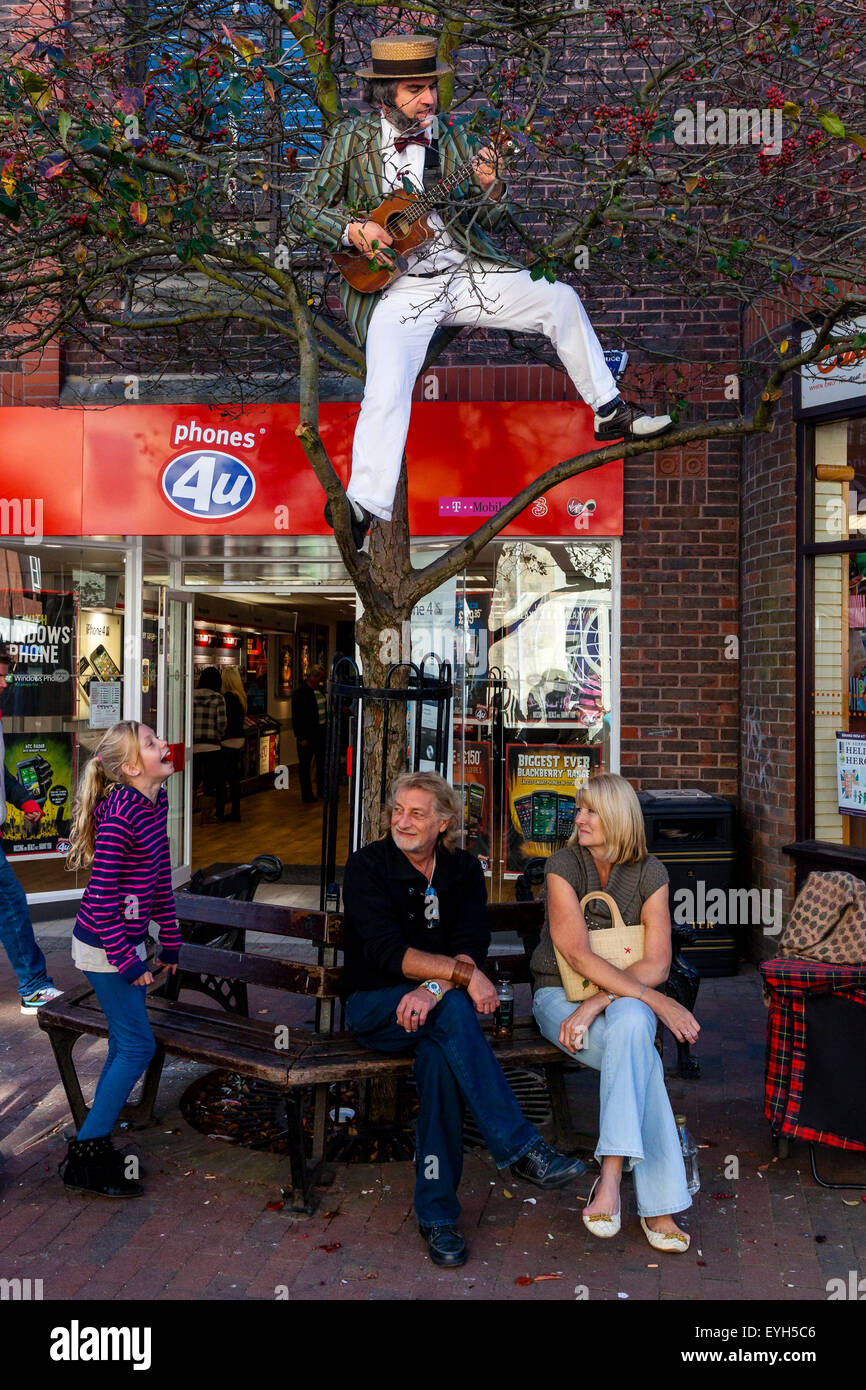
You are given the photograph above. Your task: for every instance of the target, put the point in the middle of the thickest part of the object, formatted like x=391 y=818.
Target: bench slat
x=294 y=977
x=272 y=918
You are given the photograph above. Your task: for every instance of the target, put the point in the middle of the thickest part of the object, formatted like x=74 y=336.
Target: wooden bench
x=294 y=1058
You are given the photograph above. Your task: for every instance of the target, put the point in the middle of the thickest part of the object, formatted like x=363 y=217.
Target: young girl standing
x=119 y=828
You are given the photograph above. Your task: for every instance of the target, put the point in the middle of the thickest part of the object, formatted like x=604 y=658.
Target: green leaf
x=831 y=123
x=9 y=208
x=536 y=272
x=64 y=121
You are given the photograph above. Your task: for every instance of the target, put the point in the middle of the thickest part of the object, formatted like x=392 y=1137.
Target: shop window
x=62 y=618
x=528 y=631
x=839 y=605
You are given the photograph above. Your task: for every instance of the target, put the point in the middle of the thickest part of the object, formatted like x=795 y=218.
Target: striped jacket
x=347 y=182
x=130 y=881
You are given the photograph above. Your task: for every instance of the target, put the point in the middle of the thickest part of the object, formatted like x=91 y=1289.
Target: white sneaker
x=34 y=1002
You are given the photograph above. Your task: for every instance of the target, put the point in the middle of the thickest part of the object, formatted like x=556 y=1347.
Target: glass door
x=166 y=703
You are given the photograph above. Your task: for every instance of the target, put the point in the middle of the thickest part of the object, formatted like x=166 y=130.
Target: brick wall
x=768 y=674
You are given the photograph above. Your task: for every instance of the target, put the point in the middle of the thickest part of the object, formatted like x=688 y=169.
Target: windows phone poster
x=542 y=782
x=43 y=764
x=39 y=630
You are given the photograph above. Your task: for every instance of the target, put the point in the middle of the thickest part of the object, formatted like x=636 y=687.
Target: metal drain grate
x=238 y=1110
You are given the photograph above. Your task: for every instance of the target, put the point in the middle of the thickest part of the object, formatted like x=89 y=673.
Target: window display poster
x=305 y=652
x=474 y=779
x=541 y=785
x=100 y=653
x=851 y=773
x=473 y=628
x=105 y=704
x=39 y=630
x=286 y=669
x=43 y=764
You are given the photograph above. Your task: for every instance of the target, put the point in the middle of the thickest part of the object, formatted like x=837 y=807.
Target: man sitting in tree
x=458 y=279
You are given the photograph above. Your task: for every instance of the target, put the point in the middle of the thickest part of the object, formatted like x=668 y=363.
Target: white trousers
x=479 y=294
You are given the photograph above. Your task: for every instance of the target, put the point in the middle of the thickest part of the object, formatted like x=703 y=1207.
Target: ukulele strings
x=426 y=201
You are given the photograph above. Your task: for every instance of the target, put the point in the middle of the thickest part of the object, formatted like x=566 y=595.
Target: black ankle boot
x=93 y=1165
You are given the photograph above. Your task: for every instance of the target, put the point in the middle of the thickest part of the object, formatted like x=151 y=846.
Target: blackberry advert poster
x=541 y=785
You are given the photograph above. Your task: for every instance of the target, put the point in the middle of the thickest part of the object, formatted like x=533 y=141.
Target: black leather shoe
x=445 y=1245
x=547 y=1167
x=360 y=525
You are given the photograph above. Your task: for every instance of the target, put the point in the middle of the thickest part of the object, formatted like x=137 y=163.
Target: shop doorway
x=268 y=654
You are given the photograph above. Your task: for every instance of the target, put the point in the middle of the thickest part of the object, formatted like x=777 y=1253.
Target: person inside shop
x=256 y=698
x=35 y=986
x=614 y=1030
x=460 y=278
x=208 y=731
x=231 y=770
x=415 y=941
x=308 y=722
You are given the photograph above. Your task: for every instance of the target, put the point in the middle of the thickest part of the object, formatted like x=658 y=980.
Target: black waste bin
x=692 y=833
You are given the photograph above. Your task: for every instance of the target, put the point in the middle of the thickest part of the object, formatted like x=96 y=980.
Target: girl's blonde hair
x=231 y=679
x=103 y=773
x=615 y=802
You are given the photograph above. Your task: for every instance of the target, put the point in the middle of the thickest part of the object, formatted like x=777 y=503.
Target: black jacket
x=383 y=901
x=305 y=714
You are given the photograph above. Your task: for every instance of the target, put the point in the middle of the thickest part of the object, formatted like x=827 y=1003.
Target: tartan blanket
x=792 y=987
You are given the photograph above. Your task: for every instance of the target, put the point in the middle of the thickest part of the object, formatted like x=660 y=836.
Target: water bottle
x=690 y=1155
x=503 y=1019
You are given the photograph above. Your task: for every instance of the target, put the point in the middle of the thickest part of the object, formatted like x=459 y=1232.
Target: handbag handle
x=615 y=914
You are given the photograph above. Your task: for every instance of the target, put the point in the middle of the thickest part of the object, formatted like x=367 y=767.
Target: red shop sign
x=211 y=470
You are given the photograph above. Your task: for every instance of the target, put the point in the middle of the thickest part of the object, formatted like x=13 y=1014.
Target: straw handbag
x=619 y=945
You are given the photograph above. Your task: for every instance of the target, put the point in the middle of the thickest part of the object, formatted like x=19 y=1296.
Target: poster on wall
x=43 y=764
x=321 y=647
x=305 y=652
x=541 y=785
x=851 y=773
x=473 y=627
x=285 y=668
x=474 y=777
x=38 y=627
x=100 y=655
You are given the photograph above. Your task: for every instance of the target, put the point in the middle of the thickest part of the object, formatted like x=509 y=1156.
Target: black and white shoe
x=546 y=1167
x=361 y=520
x=625 y=423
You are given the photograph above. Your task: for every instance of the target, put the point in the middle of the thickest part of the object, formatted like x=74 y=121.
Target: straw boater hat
x=404 y=55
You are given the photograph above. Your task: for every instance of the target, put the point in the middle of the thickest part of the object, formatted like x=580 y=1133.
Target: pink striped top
x=130 y=882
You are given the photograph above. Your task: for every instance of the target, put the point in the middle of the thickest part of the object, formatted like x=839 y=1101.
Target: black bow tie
x=401 y=141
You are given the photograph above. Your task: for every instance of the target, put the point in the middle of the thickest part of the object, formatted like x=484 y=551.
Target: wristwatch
x=434 y=989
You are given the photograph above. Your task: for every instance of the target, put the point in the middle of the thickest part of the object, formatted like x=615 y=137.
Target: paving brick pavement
x=203 y=1231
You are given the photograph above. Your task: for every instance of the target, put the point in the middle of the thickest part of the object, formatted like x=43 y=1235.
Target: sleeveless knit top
x=629 y=885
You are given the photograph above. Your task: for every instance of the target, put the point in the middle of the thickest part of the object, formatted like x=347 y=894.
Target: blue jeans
x=636 y=1120
x=453 y=1066
x=131 y=1045
x=16 y=934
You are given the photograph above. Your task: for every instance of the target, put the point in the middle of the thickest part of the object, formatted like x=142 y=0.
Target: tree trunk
x=382 y=634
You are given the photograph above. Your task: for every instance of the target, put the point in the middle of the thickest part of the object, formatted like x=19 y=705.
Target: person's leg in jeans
x=636 y=1120
x=438 y=1138
x=131 y=1047
x=17 y=935
x=452 y=1027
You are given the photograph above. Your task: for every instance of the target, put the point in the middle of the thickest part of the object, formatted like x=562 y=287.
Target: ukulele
x=404 y=216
